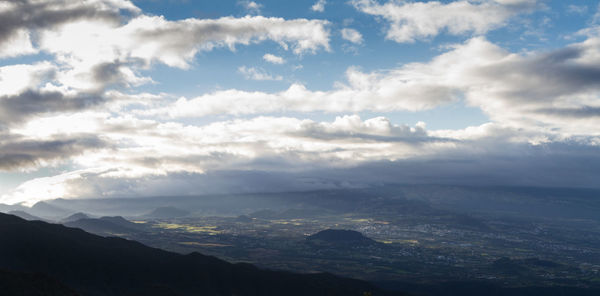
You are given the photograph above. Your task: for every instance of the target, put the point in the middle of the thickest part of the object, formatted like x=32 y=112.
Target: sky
x=117 y=98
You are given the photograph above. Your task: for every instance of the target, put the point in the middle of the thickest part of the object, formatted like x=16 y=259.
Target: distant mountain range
x=46 y=210
x=94 y=265
x=106 y=226
x=564 y=203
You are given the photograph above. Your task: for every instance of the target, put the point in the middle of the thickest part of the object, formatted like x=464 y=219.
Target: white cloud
x=19 y=19
x=319 y=6
x=273 y=59
x=175 y=43
x=410 y=21
x=138 y=148
x=250 y=6
x=112 y=52
x=39 y=189
x=30 y=90
x=15 y=79
x=554 y=91
x=352 y=35
x=18 y=43
x=143 y=150
x=346 y=149
x=257 y=74
x=577 y=9
x=377 y=91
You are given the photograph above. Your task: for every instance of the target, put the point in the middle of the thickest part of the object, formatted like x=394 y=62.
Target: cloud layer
x=555 y=91
x=82 y=107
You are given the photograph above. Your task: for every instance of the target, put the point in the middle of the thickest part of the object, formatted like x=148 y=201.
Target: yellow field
x=211 y=230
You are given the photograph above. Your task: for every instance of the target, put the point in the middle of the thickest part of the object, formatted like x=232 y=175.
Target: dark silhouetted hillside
x=31 y=284
x=479 y=288
x=95 y=265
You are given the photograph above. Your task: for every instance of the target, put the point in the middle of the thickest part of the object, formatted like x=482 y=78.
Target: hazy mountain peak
x=75 y=217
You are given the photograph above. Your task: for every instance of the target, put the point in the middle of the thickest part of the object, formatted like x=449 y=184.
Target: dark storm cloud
x=546 y=77
x=553 y=165
x=17 y=108
x=18 y=153
x=550 y=165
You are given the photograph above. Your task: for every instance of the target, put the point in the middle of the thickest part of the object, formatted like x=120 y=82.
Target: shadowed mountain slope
x=31 y=284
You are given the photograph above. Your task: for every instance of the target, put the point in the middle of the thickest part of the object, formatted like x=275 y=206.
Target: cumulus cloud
x=114 y=54
x=112 y=47
x=411 y=21
x=157 y=147
x=151 y=39
x=273 y=59
x=319 y=6
x=378 y=129
x=16 y=44
x=257 y=74
x=352 y=35
x=18 y=19
x=528 y=90
x=15 y=79
x=376 y=91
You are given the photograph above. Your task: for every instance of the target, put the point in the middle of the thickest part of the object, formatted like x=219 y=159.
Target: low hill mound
x=75 y=217
x=107 y=226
